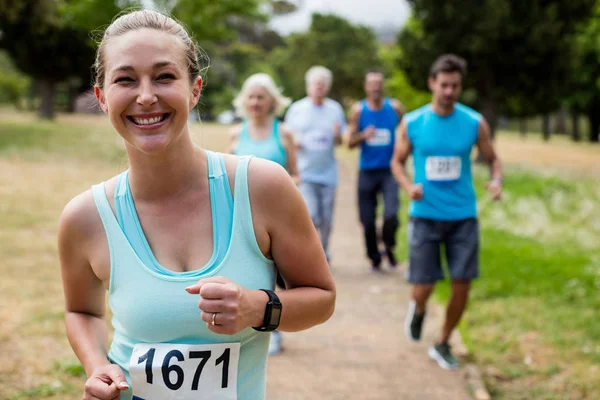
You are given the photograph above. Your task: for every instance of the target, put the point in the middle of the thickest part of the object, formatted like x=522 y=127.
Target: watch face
x=275 y=315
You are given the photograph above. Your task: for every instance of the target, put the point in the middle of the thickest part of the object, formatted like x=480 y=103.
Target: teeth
x=147 y=121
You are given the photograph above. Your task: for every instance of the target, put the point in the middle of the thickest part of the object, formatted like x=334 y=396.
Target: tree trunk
x=47 y=92
x=71 y=98
x=593 y=114
x=546 y=126
x=575 y=133
x=523 y=126
x=489 y=110
x=560 y=124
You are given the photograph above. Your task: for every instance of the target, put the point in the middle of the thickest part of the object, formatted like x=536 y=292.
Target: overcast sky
x=367 y=12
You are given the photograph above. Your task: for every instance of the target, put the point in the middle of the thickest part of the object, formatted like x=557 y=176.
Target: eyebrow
x=160 y=64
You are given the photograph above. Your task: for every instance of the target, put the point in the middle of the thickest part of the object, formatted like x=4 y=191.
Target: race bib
x=443 y=168
x=184 y=372
x=315 y=140
x=382 y=137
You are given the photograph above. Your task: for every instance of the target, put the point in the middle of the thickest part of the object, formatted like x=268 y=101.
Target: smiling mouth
x=148 y=121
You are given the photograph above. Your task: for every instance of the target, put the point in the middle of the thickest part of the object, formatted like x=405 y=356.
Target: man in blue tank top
x=372 y=126
x=440 y=136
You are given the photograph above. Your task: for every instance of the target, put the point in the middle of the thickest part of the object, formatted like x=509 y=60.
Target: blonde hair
x=267 y=83
x=318 y=72
x=152 y=20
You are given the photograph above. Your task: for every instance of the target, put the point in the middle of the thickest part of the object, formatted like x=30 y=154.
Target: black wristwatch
x=272 y=313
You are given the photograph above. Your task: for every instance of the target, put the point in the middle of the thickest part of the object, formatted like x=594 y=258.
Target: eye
x=123 y=79
x=166 y=77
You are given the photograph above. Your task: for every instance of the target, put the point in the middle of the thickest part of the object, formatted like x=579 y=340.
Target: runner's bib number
x=184 y=372
x=382 y=137
x=318 y=141
x=443 y=168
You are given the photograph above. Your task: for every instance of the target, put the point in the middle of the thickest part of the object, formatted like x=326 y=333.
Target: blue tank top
x=441 y=148
x=270 y=148
x=376 y=153
x=156 y=319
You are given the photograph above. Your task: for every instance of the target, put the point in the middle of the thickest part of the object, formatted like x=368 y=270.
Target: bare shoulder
x=235 y=131
x=398 y=106
x=356 y=109
x=80 y=225
x=285 y=131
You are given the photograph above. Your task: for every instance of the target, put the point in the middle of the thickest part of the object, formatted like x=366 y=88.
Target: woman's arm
x=234 y=138
x=285 y=233
x=289 y=144
x=85 y=298
x=283 y=223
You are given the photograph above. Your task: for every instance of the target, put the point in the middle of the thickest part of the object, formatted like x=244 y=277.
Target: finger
x=101 y=390
x=213 y=291
x=116 y=375
x=195 y=288
x=221 y=330
x=220 y=318
x=212 y=306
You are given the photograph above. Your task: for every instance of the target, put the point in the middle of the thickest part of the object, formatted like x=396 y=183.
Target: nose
x=146 y=94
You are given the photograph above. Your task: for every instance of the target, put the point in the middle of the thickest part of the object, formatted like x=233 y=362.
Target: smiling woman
x=186 y=242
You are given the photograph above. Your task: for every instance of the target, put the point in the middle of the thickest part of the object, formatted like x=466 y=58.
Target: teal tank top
x=220 y=199
x=270 y=148
x=159 y=341
x=441 y=147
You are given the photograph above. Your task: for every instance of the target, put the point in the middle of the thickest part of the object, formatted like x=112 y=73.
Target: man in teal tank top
x=440 y=137
x=372 y=126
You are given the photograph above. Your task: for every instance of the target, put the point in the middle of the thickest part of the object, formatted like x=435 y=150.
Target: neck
x=440 y=109
x=375 y=104
x=317 y=101
x=261 y=121
x=179 y=168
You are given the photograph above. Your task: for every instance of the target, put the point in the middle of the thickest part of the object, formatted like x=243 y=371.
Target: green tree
x=347 y=50
x=397 y=83
x=49 y=40
x=515 y=49
x=584 y=93
x=13 y=84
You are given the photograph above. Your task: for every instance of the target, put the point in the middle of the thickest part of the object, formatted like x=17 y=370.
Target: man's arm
x=355 y=137
x=399 y=108
x=486 y=147
x=402 y=150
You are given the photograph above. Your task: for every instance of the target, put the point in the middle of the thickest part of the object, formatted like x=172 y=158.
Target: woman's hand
x=228 y=308
x=105 y=383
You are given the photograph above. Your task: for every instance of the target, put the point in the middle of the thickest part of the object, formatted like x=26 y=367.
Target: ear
x=196 y=91
x=100 y=96
x=431 y=83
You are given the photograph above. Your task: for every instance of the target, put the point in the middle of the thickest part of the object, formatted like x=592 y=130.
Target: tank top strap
x=215 y=169
x=242 y=214
x=104 y=208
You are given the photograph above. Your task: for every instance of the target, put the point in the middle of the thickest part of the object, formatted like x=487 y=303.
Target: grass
x=531 y=324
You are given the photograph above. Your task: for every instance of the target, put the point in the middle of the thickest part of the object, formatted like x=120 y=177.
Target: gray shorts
x=461 y=243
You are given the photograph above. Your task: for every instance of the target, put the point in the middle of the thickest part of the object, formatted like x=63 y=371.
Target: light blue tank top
x=151 y=307
x=376 y=153
x=270 y=148
x=441 y=147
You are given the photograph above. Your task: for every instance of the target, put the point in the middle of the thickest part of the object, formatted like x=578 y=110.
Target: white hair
x=318 y=72
x=266 y=82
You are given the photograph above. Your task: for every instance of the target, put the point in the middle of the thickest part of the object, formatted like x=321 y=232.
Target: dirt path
x=361 y=353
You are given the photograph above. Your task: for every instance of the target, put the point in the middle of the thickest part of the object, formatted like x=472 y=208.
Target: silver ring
x=213 y=319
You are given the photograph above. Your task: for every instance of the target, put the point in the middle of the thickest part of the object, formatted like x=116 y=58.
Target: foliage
x=13 y=84
x=397 y=83
x=347 y=50
x=515 y=49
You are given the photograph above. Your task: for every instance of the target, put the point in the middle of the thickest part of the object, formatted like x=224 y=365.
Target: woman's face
x=258 y=102
x=147 y=92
